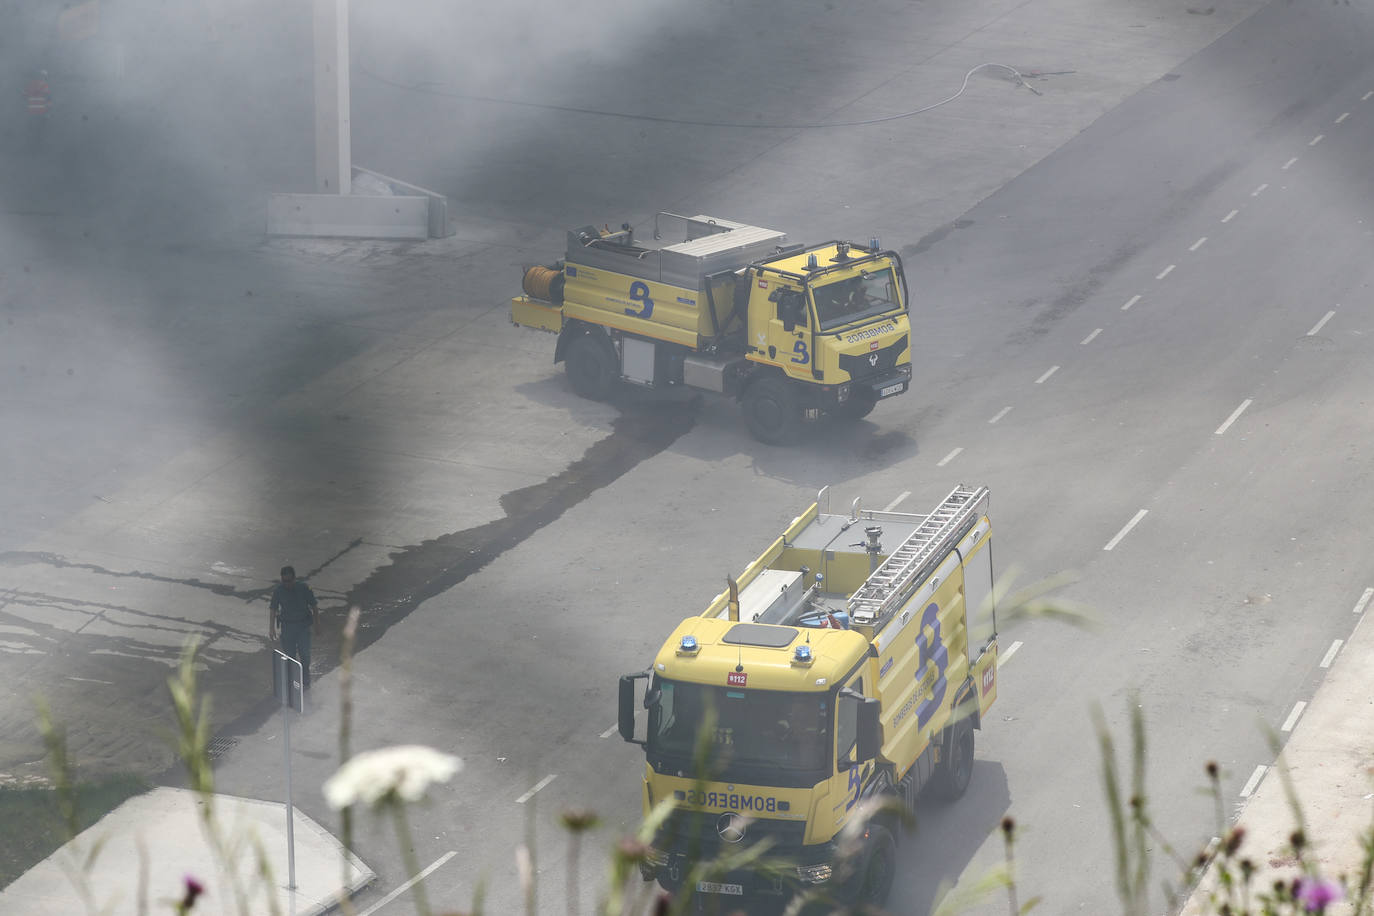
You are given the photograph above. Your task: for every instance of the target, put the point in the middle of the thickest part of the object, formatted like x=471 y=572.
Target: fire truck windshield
x=751 y=728
x=866 y=295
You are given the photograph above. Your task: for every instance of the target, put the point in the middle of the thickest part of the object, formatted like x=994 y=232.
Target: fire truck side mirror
x=627 y=706
x=791 y=309
x=870 y=737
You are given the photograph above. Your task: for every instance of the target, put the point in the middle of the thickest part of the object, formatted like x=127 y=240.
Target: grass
x=36 y=827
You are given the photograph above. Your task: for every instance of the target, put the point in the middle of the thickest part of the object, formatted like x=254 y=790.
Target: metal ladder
x=891 y=583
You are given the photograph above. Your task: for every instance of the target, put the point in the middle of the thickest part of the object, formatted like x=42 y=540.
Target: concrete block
x=349 y=215
x=438 y=203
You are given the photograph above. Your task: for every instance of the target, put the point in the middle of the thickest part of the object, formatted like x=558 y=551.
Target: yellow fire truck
x=853 y=660
x=791 y=331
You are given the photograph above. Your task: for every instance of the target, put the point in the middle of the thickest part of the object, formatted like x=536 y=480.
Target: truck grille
x=698 y=834
x=875 y=362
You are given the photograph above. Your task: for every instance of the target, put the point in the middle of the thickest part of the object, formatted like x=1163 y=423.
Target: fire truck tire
x=859 y=405
x=772 y=411
x=954 y=771
x=876 y=870
x=591 y=368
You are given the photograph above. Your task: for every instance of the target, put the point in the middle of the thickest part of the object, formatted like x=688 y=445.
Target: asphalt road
x=1145 y=290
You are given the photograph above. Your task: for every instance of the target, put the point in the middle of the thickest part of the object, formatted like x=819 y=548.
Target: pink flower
x=193 y=890
x=1316 y=894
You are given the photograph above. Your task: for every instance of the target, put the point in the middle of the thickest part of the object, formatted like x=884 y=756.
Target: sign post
x=287 y=680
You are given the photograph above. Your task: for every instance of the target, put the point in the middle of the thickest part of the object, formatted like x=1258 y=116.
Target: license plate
x=890 y=389
x=711 y=887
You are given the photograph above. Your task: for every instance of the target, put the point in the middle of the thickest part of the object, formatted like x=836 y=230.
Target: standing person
x=294 y=610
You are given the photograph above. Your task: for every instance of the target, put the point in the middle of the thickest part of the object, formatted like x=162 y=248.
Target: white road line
x=407 y=886
x=1124 y=531
x=1364 y=600
x=1230 y=216
x=948 y=458
x=900 y=496
x=1130 y=302
x=1253 y=782
x=1011 y=650
x=1089 y=338
x=1315 y=140
x=1165 y=272
x=1330 y=655
x=1258 y=191
x=1290 y=163
x=1048 y=372
x=1198 y=244
x=1235 y=414
x=88 y=680
x=611 y=731
x=1365 y=97
x=1344 y=115
x=1000 y=414
x=1293 y=716
x=1318 y=326
x=537 y=786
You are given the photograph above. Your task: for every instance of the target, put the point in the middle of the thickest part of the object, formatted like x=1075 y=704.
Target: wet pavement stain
x=27 y=557
x=929 y=240
x=425 y=570
x=240 y=680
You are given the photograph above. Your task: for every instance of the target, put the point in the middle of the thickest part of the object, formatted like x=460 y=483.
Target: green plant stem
x=398 y=816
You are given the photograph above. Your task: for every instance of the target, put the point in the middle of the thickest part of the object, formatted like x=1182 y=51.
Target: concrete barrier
x=398 y=211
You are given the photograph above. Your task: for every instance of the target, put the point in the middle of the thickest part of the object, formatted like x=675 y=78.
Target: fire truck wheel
x=590 y=364
x=877 y=869
x=859 y=405
x=772 y=411
x=953 y=773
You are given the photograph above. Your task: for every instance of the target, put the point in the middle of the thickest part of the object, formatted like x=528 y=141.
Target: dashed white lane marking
x=537 y=786
x=1330 y=655
x=1165 y=272
x=1318 y=326
x=1344 y=115
x=1364 y=600
x=1011 y=650
x=1230 y=216
x=1315 y=140
x=1235 y=414
x=1048 y=372
x=611 y=731
x=1130 y=302
x=1293 y=716
x=1000 y=414
x=948 y=458
x=1124 y=531
x=1258 y=191
x=407 y=886
x=1089 y=338
x=900 y=496
x=1290 y=163
x=1365 y=97
x=1253 y=782
x=1198 y=244
x=88 y=680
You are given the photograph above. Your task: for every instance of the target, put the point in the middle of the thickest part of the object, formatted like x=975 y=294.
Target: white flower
x=405 y=772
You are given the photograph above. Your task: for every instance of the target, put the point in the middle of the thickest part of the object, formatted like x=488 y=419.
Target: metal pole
x=284 y=661
x=290 y=818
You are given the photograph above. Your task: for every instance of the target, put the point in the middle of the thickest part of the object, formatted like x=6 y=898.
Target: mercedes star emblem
x=731 y=827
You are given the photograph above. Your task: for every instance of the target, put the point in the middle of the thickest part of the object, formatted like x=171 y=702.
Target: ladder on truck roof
x=890 y=585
